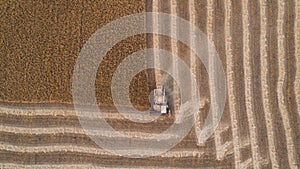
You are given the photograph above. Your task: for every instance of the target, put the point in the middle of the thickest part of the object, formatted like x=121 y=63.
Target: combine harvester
x=160 y=106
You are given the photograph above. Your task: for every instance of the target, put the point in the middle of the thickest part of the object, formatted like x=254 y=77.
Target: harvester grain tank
x=160 y=105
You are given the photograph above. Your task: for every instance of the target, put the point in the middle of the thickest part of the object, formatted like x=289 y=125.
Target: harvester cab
x=160 y=105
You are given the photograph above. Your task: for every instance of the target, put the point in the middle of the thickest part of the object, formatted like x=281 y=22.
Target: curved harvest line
x=281 y=86
x=69 y=113
x=249 y=86
x=230 y=81
x=297 y=54
x=174 y=50
x=77 y=166
x=156 y=40
x=192 y=17
x=91 y=150
x=53 y=148
x=210 y=36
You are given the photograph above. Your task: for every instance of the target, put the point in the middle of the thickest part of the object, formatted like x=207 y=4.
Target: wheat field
x=258 y=43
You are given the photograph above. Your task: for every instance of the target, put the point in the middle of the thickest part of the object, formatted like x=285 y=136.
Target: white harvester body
x=160 y=105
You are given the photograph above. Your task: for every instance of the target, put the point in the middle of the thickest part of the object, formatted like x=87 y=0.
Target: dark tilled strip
x=237 y=52
x=40 y=139
x=291 y=70
x=272 y=12
x=219 y=42
x=56 y=121
x=33 y=121
x=183 y=50
x=254 y=28
x=81 y=139
x=149 y=44
x=84 y=158
x=201 y=72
